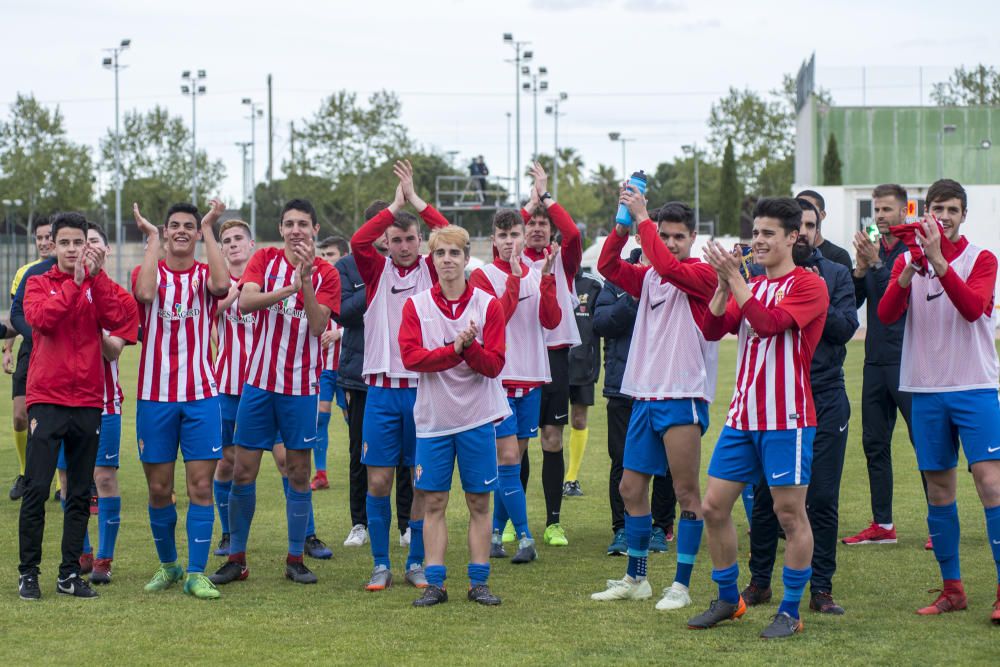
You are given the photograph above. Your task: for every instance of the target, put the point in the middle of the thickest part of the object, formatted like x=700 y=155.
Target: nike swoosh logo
x=359 y=286
x=448 y=342
x=405 y=289
x=507 y=493
x=490 y=481
x=931 y=297
x=933 y=534
x=844 y=427
x=534 y=429
x=201 y=541
x=309 y=439
x=621 y=295
x=775 y=475
x=215 y=449
x=157 y=539
x=993 y=449
x=995 y=541
x=654 y=306
x=71 y=589
x=110 y=456
x=526 y=297
x=560 y=416
x=223 y=504
x=114 y=523
x=300 y=515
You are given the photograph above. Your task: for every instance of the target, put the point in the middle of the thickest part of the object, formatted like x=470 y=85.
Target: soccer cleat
x=299 y=573
x=102 y=572
x=929 y=545
x=75 y=586
x=164 y=578
x=223 y=548
x=316 y=548
x=415 y=576
x=508 y=533
x=873 y=534
x=948 y=600
x=18 y=488
x=782 y=625
x=481 y=594
x=824 y=604
x=624 y=589
x=93 y=505
x=358 y=536
x=525 y=551
x=230 y=571
x=754 y=595
x=404 y=538
x=201 y=587
x=319 y=481
x=496 y=546
x=432 y=595
x=670 y=533
x=572 y=489
x=674 y=597
x=86 y=563
x=718 y=611
x=618 y=546
x=380 y=580
x=995 y=616
x=555 y=536
x=658 y=541
x=27 y=587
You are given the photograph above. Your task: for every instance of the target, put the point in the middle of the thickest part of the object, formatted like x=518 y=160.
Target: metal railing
x=470 y=193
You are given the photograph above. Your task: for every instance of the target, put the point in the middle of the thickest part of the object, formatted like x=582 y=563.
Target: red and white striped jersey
x=236 y=331
x=113 y=395
x=287 y=358
x=176 y=361
x=331 y=355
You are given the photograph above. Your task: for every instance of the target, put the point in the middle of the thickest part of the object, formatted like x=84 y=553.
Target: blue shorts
x=108 y=447
x=476 y=451
x=389 y=437
x=940 y=420
x=265 y=418
x=228 y=405
x=196 y=426
x=783 y=458
x=523 y=421
x=329 y=390
x=644 y=449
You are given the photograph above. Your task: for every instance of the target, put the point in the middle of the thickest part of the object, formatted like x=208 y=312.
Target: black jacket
x=835 y=253
x=353 y=303
x=614 y=319
x=883 y=344
x=585 y=358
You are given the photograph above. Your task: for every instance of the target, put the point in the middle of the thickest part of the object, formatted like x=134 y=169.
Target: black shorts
x=20 y=382
x=555 y=395
x=581 y=394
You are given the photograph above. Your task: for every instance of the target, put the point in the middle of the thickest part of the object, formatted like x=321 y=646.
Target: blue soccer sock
x=795 y=582
x=87 y=548
x=310 y=522
x=163 y=522
x=688 y=542
x=726 y=578
x=479 y=573
x=436 y=574
x=637 y=532
x=109 y=518
x=242 y=504
x=200 y=519
x=942 y=522
x=379 y=517
x=747 y=496
x=322 y=441
x=993 y=534
x=221 y=491
x=297 y=509
x=513 y=498
x=500 y=516
x=416 y=556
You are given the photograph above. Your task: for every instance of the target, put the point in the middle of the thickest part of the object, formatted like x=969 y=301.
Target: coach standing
x=67 y=308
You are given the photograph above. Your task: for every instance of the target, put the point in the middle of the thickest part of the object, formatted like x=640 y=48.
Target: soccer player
x=772 y=421
x=388 y=429
x=949 y=363
x=453 y=335
x=584 y=370
x=833 y=415
x=42 y=230
x=296 y=294
x=178 y=405
x=528 y=296
x=670 y=412
x=67 y=308
x=828 y=248
x=880 y=394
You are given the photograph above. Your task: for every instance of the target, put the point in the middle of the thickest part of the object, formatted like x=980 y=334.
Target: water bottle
x=638 y=181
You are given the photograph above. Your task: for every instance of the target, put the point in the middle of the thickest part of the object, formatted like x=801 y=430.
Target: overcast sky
x=647 y=68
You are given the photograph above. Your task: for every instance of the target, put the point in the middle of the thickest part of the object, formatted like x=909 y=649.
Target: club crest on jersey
x=142 y=446
x=194 y=283
x=420 y=471
x=779 y=295
x=364 y=449
x=34 y=425
x=90 y=296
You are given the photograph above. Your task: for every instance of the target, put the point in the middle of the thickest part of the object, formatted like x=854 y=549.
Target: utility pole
x=270 y=131
x=191 y=86
x=508 y=38
x=554 y=112
x=112 y=64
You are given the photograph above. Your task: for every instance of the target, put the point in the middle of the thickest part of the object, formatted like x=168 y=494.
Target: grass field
x=546 y=616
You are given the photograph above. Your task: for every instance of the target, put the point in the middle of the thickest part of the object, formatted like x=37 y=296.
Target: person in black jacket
x=614 y=319
x=584 y=369
x=829 y=249
x=353 y=304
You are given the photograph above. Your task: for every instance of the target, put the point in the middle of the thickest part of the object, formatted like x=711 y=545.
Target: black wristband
x=545 y=195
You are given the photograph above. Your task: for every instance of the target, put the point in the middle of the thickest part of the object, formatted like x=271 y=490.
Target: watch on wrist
x=545 y=195
x=878 y=265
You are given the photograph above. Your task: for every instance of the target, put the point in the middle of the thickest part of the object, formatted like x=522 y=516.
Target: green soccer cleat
x=555 y=536
x=201 y=587
x=508 y=533
x=168 y=575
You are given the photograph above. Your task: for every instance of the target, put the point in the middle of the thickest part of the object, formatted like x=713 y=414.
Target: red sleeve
x=254 y=273
x=411 y=346
x=767 y=322
x=807 y=300
x=572 y=246
x=549 y=311
x=370 y=262
x=328 y=293
x=714 y=327
x=46 y=311
x=627 y=276
x=488 y=359
x=433 y=218
x=525 y=215
x=696 y=279
x=895 y=299
x=974 y=296
x=129 y=332
x=479 y=280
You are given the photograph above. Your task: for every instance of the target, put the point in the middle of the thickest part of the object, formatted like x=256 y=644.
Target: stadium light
x=193 y=90
x=111 y=63
x=519 y=69
x=255 y=113
x=617 y=136
x=692 y=149
x=553 y=110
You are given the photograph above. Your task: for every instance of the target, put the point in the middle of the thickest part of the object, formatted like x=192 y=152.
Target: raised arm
x=218 y=272
x=627 y=276
x=145 y=281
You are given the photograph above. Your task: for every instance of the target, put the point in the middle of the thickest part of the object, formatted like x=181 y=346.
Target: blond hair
x=234 y=222
x=452 y=234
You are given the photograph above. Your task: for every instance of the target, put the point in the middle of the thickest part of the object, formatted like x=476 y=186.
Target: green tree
x=729 y=194
x=978 y=86
x=39 y=164
x=674 y=181
x=832 y=166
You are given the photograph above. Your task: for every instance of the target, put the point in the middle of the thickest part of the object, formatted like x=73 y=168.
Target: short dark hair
x=375 y=208
x=506 y=219
x=69 y=221
x=898 y=192
x=942 y=190
x=542 y=212
x=303 y=205
x=40 y=221
x=807 y=205
x=675 y=211
x=784 y=209
x=183 y=207
x=812 y=194
x=99 y=229
x=404 y=220
x=338 y=241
